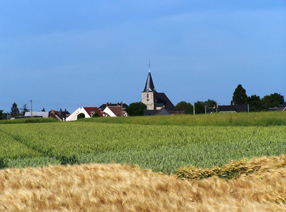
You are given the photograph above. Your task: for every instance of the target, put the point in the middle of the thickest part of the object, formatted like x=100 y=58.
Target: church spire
x=149 y=86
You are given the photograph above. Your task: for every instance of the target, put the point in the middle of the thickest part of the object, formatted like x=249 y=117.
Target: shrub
x=95 y=115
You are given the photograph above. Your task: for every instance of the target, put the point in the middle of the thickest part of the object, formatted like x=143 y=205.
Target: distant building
x=227 y=109
x=123 y=105
x=87 y=111
x=155 y=101
x=116 y=110
x=60 y=115
x=37 y=114
x=279 y=108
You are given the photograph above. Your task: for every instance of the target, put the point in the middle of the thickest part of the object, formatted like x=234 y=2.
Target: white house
x=115 y=111
x=87 y=111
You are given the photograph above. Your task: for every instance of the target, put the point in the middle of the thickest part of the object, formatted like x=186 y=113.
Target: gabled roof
x=118 y=111
x=162 y=99
x=149 y=86
x=161 y=112
x=103 y=106
x=93 y=110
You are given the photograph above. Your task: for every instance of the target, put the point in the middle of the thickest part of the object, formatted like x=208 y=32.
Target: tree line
x=239 y=97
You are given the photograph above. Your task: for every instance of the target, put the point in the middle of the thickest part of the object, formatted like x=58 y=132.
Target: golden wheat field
x=114 y=187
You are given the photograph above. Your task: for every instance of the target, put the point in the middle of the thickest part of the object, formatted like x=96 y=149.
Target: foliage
x=210 y=103
x=95 y=115
x=272 y=100
x=43 y=110
x=184 y=106
x=254 y=103
x=136 y=109
x=1 y=114
x=80 y=116
x=199 y=107
x=24 y=109
x=14 y=110
x=239 y=96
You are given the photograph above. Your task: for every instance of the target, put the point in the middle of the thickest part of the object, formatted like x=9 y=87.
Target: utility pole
x=31 y=109
x=194 y=109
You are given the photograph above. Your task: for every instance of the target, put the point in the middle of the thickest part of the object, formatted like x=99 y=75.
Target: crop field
x=217 y=162
x=162 y=148
x=115 y=187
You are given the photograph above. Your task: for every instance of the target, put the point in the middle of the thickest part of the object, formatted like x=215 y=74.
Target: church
x=157 y=103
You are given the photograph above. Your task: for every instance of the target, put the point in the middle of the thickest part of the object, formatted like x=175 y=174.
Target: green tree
x=239 y=96
x=210 y=103
x=95 y=115
x=199 y=107
x=272 y=100
x=136 y=109
x=254 y=103
x=1 y=114
x=24 y=109
x=80 y=116
x=15 y=110
x=185 y=106
x=43 y=110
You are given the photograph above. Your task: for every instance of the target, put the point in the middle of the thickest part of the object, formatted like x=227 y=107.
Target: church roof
x=162 y=99
x=149 y=86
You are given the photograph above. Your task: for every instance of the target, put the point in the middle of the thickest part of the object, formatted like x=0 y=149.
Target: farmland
x=217 y=162
x=164 y=146
x=115 y=187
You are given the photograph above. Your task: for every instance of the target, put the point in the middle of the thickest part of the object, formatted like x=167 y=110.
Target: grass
x=217 y=119
x=28 y=120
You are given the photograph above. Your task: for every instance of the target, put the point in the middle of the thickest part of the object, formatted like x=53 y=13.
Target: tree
x=80 y=116
x=24 y=109
x=185 y=106
x=95 y=115
x=1 y=114
x=272 y=100
x=136 y=109
x=43 y=110
x=199 y=107
x=239 y=96
x=254 y=103
x=210 y=103
x=14 y=110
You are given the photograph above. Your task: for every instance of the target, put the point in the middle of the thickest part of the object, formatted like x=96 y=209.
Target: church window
x=147 y=95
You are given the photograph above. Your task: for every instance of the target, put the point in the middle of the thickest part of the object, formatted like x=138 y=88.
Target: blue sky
x=68 y=54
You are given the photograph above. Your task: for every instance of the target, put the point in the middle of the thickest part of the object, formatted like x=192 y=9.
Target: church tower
x=148 y=92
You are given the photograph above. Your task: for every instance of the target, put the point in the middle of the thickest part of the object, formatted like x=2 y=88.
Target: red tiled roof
x=93 y=110
x=117 y=110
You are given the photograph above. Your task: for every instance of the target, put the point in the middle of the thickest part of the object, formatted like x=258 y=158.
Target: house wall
x=109 y=112
x=74 y=115
x=148 y=99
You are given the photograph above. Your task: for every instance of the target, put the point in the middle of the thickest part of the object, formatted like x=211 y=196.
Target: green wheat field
x=160 y=143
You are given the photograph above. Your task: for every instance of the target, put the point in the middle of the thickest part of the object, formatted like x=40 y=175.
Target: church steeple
x=149 y=86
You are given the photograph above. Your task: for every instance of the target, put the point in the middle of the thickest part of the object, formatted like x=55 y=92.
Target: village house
x=117 y=110
x=87 y=111
x=60 y=115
